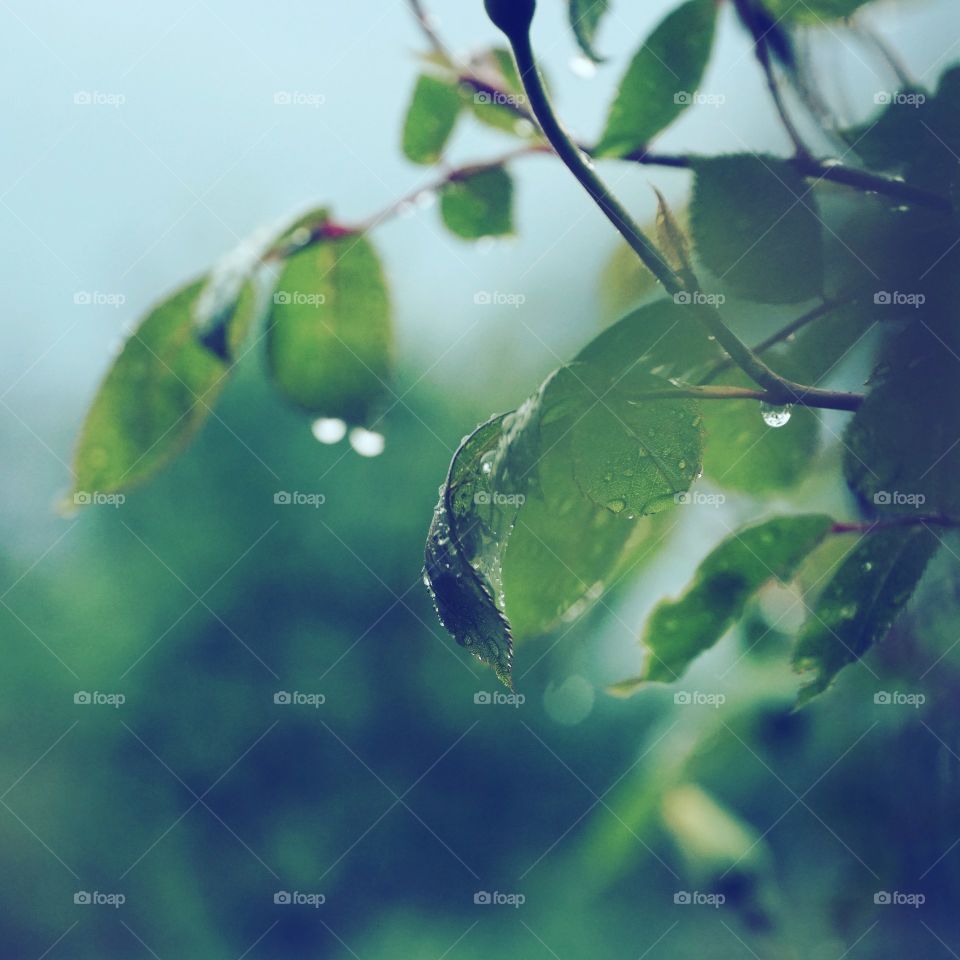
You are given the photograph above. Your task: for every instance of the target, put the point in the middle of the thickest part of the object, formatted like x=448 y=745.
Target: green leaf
x=902 y=454
x=479 y=204
x=550 y=529
x=680 y=630
x=585 y=17
x=504 y=109
x=154 y=398
x=329 y=332
x=460 y=538
x=756 y=227
x=430 y=119
x=861 y=602
x=660 y=82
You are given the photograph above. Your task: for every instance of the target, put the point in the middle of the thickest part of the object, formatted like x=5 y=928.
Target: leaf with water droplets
x=329 y=333
x=861 y=602
x=478 y=203
x=678 y=631
x=464 y=595
x=156 y=395
x=430 y=119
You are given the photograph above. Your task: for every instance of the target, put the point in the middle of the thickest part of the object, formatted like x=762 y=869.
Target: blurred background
x=206 y=816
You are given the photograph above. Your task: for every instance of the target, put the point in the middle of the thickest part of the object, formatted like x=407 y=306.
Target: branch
x=869 y=526
x=820 y=399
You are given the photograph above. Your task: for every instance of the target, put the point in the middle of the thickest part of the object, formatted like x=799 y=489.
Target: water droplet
x=523 y=128
x=426 y=199
x=328 y=429
x=367 y=443
x=617 y=506
x=486 y=462
x=583 y=67
x=682 y=465
x=774 y=416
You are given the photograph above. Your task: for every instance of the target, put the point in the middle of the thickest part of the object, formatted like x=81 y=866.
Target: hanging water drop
x=367 y=443
x=774 y=416
x=616 y=506
x=583 y=67
x=328 y=429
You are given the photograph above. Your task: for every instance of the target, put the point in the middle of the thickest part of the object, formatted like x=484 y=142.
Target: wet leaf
x=678 y=631
x=861 y=602
x=156 y=395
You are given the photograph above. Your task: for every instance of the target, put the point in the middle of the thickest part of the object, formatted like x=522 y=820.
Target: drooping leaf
x=680 y=630
x=551 y=517
x=672 y=240
x=861 y=602
x=462 y=536
x=430 y=118
x=329 y=332
x=662 y=78
x=756 y=227
x=479 y=204
x=585 y=17
x=154 y=398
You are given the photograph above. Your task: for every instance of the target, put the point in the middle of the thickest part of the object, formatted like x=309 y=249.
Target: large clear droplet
x=774 y=416
x=583 y=67
x=328 y=429
x=368 y=443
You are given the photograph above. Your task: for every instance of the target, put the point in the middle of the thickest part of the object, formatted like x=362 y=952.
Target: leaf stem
x=820 y=399
x=811 y=316
x=868 y=526
x=579 y=164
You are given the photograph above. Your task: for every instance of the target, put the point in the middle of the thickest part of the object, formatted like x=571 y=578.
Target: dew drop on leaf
x=616 y=506
x=328 y=429
x=368 y=443
x=774 y=416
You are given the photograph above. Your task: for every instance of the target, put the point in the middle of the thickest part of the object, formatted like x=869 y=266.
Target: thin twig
x=819 y=399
